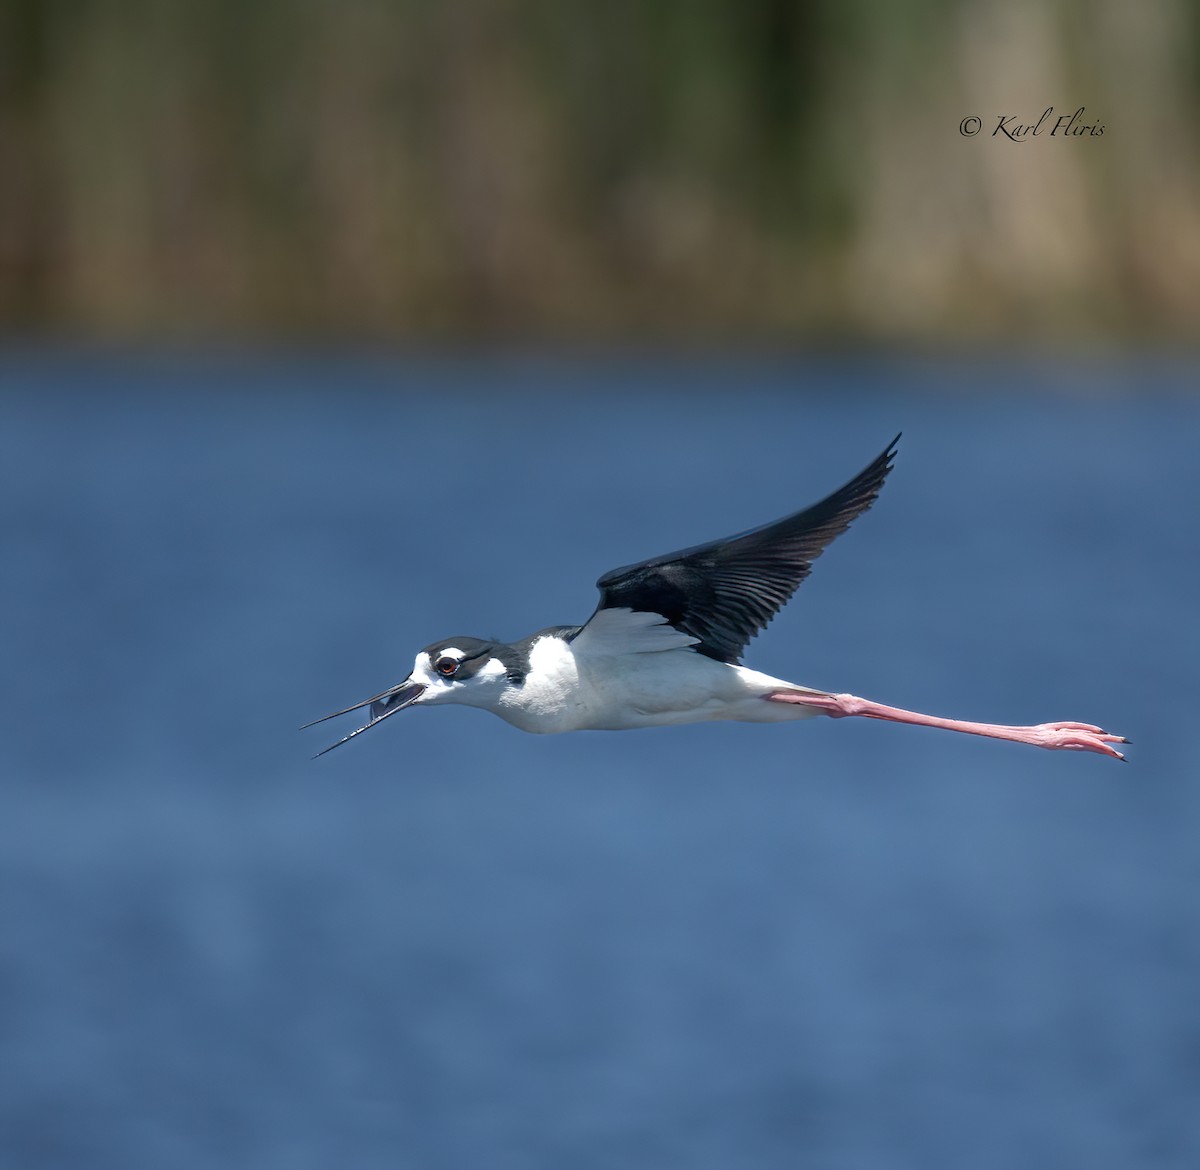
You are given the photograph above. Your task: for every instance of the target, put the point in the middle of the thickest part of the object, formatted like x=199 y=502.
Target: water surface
x=451 y=944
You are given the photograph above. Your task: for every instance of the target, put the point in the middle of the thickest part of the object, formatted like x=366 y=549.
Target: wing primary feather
x=723 y=592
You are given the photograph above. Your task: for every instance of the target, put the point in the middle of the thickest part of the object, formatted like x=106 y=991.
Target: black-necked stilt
x=664 y=644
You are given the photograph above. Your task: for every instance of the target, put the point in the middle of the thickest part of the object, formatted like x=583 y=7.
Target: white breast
x=568 y=690
x=548 y=700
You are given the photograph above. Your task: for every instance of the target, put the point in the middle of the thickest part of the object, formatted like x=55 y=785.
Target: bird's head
x=460 y=670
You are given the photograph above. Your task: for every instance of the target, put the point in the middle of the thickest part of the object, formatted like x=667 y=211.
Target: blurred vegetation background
x=660 y=170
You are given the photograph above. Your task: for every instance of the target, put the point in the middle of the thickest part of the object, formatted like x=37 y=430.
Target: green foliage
x=682 y=168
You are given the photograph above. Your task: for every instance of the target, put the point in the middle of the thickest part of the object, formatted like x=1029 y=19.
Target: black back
x=725 y=591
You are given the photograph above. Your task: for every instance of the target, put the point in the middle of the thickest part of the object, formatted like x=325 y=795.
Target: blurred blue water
x=450 y=944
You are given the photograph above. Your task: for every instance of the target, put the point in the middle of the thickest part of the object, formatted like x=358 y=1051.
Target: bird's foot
x=1078 y=737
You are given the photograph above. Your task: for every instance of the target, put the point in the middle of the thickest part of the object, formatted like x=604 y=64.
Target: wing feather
x=723 y=592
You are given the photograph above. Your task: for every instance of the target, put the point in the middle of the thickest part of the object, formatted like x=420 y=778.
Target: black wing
x=725 y=591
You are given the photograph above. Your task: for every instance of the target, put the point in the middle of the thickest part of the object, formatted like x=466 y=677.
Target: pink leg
x=1081 y=737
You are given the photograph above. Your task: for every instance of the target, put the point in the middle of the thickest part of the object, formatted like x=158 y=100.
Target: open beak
x=382 y=705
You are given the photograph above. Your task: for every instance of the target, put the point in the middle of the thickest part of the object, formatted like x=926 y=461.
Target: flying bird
x=664 y=646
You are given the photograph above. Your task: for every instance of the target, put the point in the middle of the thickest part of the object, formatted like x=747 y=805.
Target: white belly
x=564 y=693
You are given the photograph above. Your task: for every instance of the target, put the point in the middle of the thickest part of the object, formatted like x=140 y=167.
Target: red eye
x=446 y=665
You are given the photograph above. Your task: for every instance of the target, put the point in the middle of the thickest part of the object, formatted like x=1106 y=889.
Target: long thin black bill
x=405 y=694
x=365 y=703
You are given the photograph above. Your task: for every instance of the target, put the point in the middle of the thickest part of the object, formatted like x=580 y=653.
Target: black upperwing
x=724 y=592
